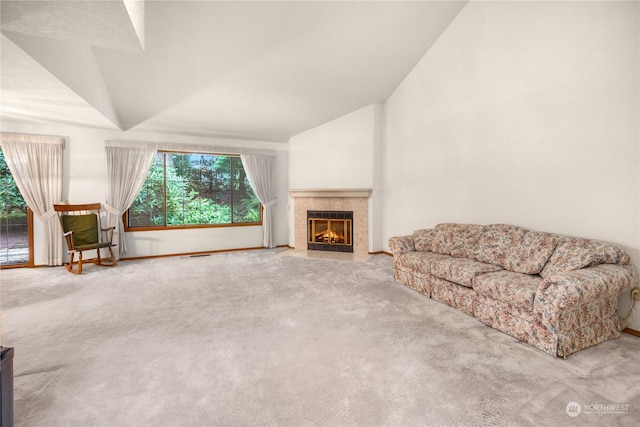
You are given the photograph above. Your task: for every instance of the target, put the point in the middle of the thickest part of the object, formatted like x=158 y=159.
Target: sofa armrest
x=575 y=288
x=401 y=244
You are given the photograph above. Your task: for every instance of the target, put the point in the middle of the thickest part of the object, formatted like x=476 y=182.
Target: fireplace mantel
x=337 y=193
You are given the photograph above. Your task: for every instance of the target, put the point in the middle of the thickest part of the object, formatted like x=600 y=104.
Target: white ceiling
x=254 y=70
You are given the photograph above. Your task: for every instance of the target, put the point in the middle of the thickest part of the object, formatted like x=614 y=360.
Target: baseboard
x=381 y=253
x=196 y=253
x=9 y=267
x=368 y=253
x=631 y=332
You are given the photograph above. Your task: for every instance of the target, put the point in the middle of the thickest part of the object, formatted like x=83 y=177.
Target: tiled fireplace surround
x=356 y=200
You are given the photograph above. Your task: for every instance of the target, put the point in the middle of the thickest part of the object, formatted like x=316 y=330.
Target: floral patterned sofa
x=556 y=293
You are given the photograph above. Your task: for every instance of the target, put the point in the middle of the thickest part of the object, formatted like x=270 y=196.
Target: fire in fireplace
x=330 y=231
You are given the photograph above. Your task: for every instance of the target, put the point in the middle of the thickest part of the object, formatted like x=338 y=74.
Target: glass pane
x=177 y=170
x=14 y=225
x=198 y=189
x=148 y=208
x=246 y=206
x=336 y=235
x=319 y=231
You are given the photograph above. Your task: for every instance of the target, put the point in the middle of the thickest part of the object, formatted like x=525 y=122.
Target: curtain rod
x=24 y=136
x=33 y=134
x=196 y=148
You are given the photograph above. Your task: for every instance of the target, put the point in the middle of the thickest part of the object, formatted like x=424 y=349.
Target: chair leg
x=70 y=265
x=79 y=263
x=110 y=262
x=113 y=258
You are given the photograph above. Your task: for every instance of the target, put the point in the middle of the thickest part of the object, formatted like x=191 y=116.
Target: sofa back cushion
x=459 y=240
x=422 y=240
x=529 y=255
x=496 y=243
x=574 y=253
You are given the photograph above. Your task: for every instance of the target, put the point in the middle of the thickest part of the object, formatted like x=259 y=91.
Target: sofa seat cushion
x=516 y=289
x=460 y=270
x=419 y=261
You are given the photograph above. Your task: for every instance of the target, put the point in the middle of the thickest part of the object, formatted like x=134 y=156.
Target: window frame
x=125 y=216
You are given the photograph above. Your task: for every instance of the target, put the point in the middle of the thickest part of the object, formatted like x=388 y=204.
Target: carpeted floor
x=262 y=338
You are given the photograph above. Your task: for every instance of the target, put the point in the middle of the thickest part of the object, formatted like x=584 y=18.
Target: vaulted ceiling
x=255 y=70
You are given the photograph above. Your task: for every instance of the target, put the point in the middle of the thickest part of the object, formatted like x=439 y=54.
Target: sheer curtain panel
x=127 y=169
x=261 y=174
x=35 y=161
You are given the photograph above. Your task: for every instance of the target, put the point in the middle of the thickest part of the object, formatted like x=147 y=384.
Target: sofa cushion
x=567 y=258
x=530 y=254
x=516 y=289
x=422 y=240
x=418 y=261
x=460 y=270
x=459 y=240
x=603 y=253
x=573 y=253
x=497 y=241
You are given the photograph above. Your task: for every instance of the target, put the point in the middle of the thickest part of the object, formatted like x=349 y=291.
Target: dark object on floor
x=6 y=387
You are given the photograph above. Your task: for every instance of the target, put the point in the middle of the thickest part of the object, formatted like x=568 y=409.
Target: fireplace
x=330 y=231
x=337 y=200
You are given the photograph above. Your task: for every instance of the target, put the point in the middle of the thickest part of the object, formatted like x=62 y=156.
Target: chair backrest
x=84 y=227
x=82 y=219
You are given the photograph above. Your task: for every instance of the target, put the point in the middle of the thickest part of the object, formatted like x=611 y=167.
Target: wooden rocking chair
x=82 y=231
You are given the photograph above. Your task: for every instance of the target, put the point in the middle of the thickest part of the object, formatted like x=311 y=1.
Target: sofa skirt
x=517 y=322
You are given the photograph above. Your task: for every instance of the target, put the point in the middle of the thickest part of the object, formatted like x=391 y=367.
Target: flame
x=329 y=235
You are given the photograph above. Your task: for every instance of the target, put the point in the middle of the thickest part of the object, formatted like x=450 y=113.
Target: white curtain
x=127 y=170
x=261 y=174
x=35 y=161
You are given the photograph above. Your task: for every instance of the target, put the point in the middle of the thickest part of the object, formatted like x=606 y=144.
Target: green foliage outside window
x=11 y=201
x=14 y=220
x=195 y=189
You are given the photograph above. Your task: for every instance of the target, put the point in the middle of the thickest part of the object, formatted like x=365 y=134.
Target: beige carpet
x=262 y=338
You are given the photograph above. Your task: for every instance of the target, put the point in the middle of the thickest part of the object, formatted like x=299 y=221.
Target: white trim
x=349 y=192
x=192 y=148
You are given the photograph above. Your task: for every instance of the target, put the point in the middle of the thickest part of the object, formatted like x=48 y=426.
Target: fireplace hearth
x=330 y=231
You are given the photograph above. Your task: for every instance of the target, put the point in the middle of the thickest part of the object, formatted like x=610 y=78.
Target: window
x=187 y=189
x=16 y=222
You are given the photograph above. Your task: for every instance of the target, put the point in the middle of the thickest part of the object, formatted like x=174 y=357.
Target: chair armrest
x=108 y=233
x=565 y=291
x=401 y=244
x=68 y=237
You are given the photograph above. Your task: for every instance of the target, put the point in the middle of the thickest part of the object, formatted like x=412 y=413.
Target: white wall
x=524 y=113
x=337 y=154
x=85 y=180
x=342 y=154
